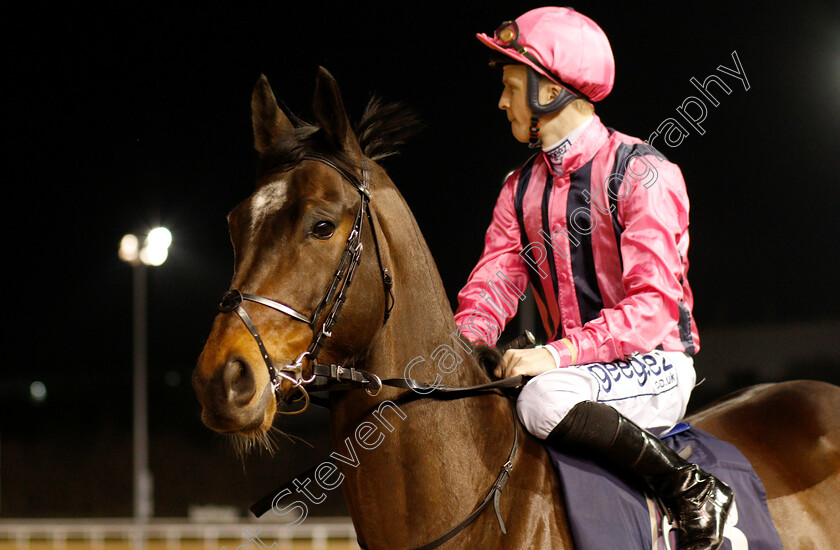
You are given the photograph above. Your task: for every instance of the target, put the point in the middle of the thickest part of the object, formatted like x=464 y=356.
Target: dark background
x=120 y=118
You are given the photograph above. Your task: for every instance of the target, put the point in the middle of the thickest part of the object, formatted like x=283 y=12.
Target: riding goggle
x=508 y=34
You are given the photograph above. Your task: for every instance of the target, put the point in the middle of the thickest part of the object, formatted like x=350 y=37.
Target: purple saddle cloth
x=607 y=511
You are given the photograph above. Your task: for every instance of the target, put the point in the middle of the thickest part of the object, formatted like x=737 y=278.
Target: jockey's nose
x=504 y=100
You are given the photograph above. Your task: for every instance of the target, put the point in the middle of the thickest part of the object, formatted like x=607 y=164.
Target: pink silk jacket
x=604 y=247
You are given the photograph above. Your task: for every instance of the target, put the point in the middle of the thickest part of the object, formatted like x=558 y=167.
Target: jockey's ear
x=331 y=116
x=269 y=121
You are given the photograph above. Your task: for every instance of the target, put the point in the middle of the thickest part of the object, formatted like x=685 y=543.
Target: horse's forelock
x=288 y=151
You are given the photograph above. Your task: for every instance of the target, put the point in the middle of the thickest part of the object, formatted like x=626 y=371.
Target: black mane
x=382 y=129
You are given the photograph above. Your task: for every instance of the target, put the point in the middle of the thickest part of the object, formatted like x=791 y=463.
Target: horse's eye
x=323 y=230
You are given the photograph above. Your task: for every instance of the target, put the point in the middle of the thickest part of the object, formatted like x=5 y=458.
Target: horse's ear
x=269 y=121
x=331 y=116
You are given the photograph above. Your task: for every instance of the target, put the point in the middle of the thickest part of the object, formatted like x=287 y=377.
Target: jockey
x=597 y=223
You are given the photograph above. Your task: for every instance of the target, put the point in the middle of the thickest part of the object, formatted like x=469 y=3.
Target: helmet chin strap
x=563 y=98
x=534 y=140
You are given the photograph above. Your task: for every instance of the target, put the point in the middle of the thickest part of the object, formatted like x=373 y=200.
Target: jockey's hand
x=530 y=362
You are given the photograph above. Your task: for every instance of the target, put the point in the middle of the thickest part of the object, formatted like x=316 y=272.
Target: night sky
x=123 y=117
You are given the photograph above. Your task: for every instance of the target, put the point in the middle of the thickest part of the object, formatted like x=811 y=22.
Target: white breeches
x=651 y=389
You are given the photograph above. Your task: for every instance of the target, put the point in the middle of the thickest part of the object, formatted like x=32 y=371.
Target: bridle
x=337 y=377
x=334 y=297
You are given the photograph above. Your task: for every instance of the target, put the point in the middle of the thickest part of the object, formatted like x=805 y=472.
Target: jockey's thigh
x=651 y=389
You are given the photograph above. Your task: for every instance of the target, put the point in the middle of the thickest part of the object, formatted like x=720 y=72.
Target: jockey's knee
x=546 y=399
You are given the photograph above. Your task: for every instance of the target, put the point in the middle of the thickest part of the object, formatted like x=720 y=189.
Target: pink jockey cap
x=571 y=46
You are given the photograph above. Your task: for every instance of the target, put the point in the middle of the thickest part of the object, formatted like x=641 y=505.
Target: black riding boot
x=697 y=501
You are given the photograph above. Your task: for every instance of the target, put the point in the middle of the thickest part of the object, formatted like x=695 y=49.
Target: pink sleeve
x=655 y=221
x=490 y=297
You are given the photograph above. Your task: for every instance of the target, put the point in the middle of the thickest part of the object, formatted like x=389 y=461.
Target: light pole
x=154 y=251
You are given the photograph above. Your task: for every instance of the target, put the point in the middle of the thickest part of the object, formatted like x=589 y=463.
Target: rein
x=337 y=377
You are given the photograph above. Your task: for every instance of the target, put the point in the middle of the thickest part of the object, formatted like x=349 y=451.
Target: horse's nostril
x=239 y=384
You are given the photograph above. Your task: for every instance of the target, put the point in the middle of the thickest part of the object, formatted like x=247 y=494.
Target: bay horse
x=321 y=201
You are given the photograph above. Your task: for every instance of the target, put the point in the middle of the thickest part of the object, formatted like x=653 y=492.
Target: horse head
x=294 y=240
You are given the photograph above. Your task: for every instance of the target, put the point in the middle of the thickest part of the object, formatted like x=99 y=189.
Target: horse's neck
x=420 y=339
x=431 y=451
x=422 y=320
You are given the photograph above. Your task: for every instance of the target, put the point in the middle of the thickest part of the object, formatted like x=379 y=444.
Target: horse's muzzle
x=228 y=398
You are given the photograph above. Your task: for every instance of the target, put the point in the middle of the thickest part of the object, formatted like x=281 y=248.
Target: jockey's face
x=514 y=100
